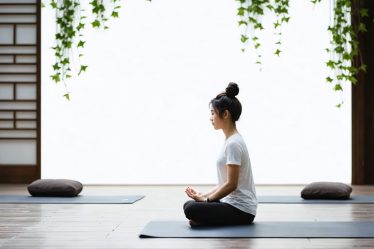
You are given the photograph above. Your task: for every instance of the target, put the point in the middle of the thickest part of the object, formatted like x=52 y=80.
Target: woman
x=233 y=201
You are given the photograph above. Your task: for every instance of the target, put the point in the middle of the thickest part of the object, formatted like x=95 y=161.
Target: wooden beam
x=363 y=101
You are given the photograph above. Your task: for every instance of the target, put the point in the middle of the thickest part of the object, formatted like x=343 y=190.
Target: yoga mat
x=80 y=199
x=358 y=199
x=181 y=229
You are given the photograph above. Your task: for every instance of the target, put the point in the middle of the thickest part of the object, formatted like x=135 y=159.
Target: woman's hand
x=193 y=194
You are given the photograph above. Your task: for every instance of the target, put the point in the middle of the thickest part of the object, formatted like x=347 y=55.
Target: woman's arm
x=211 y=191
x=229 y=186
x=219 y=191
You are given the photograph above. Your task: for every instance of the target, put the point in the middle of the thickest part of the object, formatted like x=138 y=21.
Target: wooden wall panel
x=20 y=91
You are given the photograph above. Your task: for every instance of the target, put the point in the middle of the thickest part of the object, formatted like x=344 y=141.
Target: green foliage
x=344 y=40
x=344 y=44
x=344 y=48
x=250 y=13
x=70 y=24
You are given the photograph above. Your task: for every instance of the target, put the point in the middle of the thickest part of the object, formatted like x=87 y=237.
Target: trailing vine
x=344 y=37
x=345 y=45
x=70 y=24
x=250 y=13
x=281 y=13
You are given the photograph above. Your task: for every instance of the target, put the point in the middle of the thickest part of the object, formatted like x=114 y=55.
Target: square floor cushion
x=55 y=187
x=326 y=190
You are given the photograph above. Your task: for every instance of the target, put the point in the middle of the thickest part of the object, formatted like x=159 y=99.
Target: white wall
x=140 y=114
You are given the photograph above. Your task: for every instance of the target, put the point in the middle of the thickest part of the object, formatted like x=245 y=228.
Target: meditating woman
x=233 y=201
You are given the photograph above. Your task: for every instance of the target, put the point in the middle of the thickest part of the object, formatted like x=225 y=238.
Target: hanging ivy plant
x=251 y=12
x=345 y=45
x=70 y=24
x=344 y=38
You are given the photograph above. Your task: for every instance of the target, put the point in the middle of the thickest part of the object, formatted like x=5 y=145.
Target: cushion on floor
x=326 y=190
x=55 y=187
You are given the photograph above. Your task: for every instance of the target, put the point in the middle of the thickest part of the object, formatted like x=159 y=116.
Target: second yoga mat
x=285 y=199
x=262 y=229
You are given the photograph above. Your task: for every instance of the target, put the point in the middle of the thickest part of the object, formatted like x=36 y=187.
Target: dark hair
x=227 y=101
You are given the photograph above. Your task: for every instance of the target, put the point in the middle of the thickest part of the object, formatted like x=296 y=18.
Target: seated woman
x=233 y=201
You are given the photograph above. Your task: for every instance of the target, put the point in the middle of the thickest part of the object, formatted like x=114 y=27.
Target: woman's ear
x=226 y=114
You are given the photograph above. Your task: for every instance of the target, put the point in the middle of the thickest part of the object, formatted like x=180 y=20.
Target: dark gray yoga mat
x=80 y=199
x=358 y=199
x=262 y=229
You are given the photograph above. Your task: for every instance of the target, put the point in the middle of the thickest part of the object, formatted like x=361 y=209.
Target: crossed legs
x=215 y=213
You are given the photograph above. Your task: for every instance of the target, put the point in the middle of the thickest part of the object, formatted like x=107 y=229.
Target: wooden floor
x=117 y=226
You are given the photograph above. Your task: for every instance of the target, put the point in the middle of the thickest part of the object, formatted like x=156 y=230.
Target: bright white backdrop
x=140 y=114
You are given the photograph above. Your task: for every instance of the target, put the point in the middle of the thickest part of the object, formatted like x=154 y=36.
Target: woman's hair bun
x=232 y=90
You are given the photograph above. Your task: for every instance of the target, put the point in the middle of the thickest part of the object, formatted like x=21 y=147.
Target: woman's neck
x=229 y=131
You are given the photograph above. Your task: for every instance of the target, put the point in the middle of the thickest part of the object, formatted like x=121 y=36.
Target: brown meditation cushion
x=55 y=187
x=326 y=190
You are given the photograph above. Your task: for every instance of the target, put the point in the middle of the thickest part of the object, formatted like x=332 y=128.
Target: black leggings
x=216 y=213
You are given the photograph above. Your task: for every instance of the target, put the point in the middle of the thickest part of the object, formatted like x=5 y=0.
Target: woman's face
x=216 y=120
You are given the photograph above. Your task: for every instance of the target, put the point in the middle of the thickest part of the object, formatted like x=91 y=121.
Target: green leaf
x=315 y=1
x=258 y=26
x=270 y=7
x=56 y=67
x=346 y=56
x=362 y=27
x=81 y=44
x=340 y=104
x=285 y=19
x=68 y=44
x=364 y=12
x=277 y=52
x=42 y=5
x=94 y=3
x=114 y=14
x=80 y=26
x=58 y=36
x=363 y=67
x=329 y=79
x=241 y=11
x=82 y=69
x=56 y=77
x=53 y=4
x=67 y=96
x=242 y=23
x=338 y=87
x=243 y=38
x=96 y=24
x=353 y=80
x=65 y=61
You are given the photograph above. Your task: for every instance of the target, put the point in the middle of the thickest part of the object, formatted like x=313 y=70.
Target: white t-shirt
x=235 y=152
